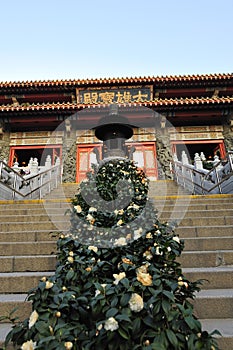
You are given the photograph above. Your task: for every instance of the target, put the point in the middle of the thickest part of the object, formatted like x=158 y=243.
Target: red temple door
x=86 y=157
x=145 y=158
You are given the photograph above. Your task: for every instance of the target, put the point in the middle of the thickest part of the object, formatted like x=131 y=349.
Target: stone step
x=31 y=204
x=205 y=221
x=27 y=248
x=181 y=206
x=224 y=326
x=28 y=225
x=28 y=263
x=163 y=212
x=196 y=213
x=4 y=329
x=37 y=262
x=61 y=217
x=9 y=302
x=213 y=277
x=20 y=282
x=208 y=243
x=214 y=303
x=208 y=304
x=36 y=211
x=29 y=236
x=206 y=259
x=220 y=299
x=204 y=231
x=218 y=202
x=43 y=217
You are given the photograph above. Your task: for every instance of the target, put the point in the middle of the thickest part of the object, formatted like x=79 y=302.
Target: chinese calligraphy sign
x=109 y=96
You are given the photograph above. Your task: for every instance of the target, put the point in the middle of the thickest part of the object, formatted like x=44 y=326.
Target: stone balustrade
x=199 y=180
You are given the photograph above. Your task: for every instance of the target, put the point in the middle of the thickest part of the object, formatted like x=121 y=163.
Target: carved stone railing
x=35 y=185
x=197 y=180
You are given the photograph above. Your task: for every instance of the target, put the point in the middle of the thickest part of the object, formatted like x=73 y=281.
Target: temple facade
x=169 y=115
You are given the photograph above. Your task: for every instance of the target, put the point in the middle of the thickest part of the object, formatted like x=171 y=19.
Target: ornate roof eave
x=169 y=80
x=160 y=103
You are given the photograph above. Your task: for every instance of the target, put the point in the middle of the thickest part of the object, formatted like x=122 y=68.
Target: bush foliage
x=117 y=283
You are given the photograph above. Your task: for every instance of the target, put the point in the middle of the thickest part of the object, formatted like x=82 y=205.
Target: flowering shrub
x=111 y=205
x=127 y=296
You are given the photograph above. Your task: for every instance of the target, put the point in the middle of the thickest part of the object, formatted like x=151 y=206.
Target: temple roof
x=127 y=80
x=152 y=103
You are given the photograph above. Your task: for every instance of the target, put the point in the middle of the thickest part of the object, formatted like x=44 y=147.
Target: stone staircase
x=28 y=232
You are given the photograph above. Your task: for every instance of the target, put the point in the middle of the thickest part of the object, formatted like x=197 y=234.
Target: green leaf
x=124 y=299
x=123 y=317
x=149 y=321
x=168 y=294
x=123 y=333
x=70 y=274
x=166 y=306
x=111 y=312
x=136 y=325
x=190 y=322
x=172 y=337
x=158 y=346
x=42 y=327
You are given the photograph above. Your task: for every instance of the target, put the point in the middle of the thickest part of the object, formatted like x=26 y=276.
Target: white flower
x=48 y=285
x=90 y=217
x=97 y=292
x=157 y=251
x=169 y=249
x=118 y=277
x=100 y=326
x=32 y=319
x=111 y=324
x=78 y=208
x=94 y=248
x=91 y=209
x=120 y=241
x=157 y=231
x=70 y=259
x=136 y=302
x=120 y=222
x=28 y=345
x=147 y=254
x=149 y=235
x=176 y=239
x=182 y=283
x=68 y=345
x=138 y=233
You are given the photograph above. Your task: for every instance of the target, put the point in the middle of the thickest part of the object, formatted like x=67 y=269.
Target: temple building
x=168 y=114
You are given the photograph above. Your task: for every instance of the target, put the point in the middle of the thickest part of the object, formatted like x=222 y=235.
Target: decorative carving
x=228 y=138
x=1 y=128
x=69 y=158
x=164 y=155
x=5 y=146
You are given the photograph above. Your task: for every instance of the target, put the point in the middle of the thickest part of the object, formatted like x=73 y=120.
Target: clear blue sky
x=75 y=39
